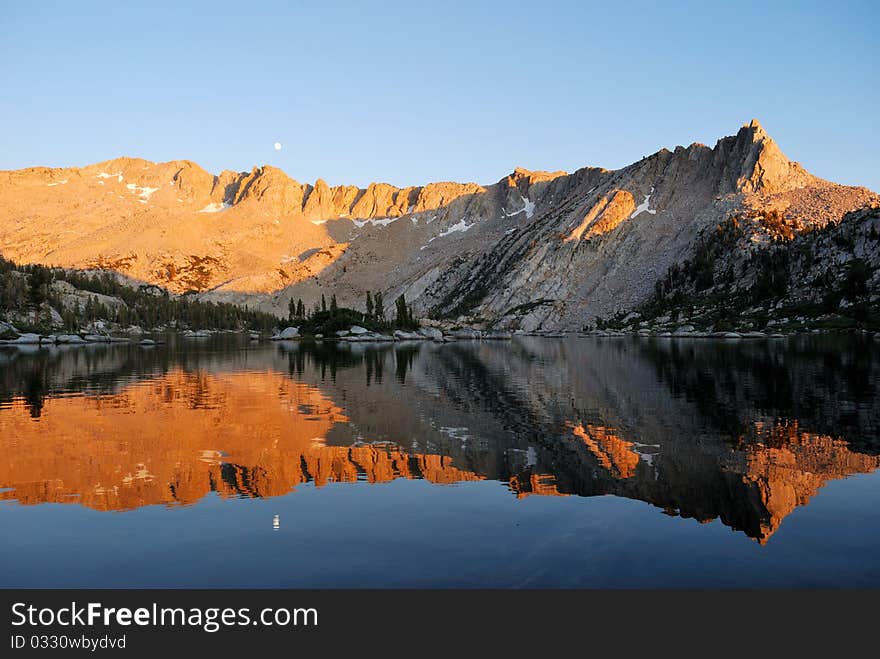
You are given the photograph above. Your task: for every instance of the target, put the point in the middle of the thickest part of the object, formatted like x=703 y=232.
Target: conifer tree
x=38 y=286
x=402 y=319
x=379 y=306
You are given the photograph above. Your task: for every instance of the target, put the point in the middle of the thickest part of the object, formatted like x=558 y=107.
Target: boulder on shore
x=7 y=328
x=197 y=334
x=286 y=334
x=28 y=339
x=367 y=337
x=431 y=333
x=407 y=336
x=69 y=339
x=357 y=329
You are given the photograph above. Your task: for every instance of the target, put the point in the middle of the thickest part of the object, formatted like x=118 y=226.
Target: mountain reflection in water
x=744 y=432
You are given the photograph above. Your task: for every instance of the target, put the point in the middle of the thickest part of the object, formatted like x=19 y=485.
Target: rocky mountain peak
x=763 y=167
x=522 y=179
x=276 y=191
x=751 y=162
x=756 y=128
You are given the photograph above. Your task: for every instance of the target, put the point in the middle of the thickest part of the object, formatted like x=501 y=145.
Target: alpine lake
x=637 y=462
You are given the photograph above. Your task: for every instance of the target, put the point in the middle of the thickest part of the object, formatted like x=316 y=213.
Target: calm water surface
x=537 y=462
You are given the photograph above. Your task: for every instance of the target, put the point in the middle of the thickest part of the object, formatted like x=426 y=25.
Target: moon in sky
x=278 y=146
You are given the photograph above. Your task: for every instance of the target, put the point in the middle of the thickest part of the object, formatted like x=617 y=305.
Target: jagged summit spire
x=754 y=163
x=755 y=130
x=752 y=133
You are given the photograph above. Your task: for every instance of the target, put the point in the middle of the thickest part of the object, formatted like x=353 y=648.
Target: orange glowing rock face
x=540 y=484
x=174 y=439
x=615 y=454
x=790 y=466
x=604 y=216
x=177 y=226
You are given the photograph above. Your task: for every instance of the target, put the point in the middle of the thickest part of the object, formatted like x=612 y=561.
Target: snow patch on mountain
x=381 y=221
x=215 y=207
x=461 y=225
x=142 y=191
x=643 y=207
x=528 y=208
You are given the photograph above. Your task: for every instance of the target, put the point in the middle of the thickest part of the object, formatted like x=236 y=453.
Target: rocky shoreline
x=357 y=334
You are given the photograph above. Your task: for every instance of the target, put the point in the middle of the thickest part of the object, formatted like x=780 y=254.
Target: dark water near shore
x=537 y=462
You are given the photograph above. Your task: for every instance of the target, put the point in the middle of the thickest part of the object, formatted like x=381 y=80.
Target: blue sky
x=416 y=92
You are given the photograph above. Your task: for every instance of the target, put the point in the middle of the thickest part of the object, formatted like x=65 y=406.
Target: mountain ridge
x=581 y=245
